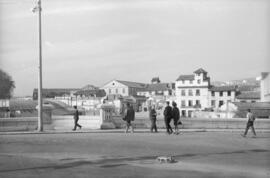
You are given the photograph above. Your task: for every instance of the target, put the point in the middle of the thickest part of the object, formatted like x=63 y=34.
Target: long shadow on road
x=115 y=162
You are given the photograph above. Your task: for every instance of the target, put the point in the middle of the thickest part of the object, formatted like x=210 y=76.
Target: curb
x=122 y=131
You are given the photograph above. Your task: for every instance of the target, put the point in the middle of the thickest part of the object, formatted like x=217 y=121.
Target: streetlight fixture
x=38 y=9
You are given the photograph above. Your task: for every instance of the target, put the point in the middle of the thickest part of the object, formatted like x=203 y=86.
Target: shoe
x=80 y=127
x=243 y=135
x=73 y=129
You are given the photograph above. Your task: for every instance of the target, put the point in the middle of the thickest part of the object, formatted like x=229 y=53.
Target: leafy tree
x=6 y=85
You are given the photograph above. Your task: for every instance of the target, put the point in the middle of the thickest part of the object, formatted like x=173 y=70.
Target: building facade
x=123 y=88
x=192 y=92
x=157 y=89
x=220 y=95
x=265 y=87
x=195 y=93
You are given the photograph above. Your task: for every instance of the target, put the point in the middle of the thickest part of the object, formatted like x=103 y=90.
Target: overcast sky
x=95 y=41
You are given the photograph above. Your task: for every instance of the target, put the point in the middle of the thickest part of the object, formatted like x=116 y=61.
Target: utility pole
x=40 y=104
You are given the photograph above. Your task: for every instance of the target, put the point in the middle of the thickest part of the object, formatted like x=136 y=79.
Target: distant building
x=220 y=95
x=195 y=93
x=249 y=97
x=265 y=87
x=192 y=92
x=162 y=89
x=260 y=109
x=123 y=88
x=54 y=92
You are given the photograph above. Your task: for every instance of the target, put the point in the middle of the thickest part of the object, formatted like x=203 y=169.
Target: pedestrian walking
x=153 y=118
x=176 y=117
x=250 y=123
x=167 y=117
x=76 y=119
x=129 y=117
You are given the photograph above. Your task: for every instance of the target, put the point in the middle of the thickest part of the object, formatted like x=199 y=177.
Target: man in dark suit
x=153 y=118
x=167 y=117
x=129 y=116
x=76 y=119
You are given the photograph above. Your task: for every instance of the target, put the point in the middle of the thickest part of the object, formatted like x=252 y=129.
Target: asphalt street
x=196 y=154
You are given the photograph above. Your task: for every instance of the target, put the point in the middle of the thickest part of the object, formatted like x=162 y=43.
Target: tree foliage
x=6 y=85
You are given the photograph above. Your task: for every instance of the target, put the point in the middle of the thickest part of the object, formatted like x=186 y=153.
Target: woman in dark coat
x=176 y=117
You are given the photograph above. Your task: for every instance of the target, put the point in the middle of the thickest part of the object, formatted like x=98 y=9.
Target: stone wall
x=199 y=123
x=22 y=124
x=94 y=122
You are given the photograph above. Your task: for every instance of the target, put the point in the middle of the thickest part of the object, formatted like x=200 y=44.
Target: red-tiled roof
x=257 y=105
x=248 y=88
x=223 y=88
x=249 y=95
x=185 y=77
x=157 y=87
x=132 y=84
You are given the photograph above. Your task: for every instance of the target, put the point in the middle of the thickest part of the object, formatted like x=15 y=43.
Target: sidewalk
x=122 y=131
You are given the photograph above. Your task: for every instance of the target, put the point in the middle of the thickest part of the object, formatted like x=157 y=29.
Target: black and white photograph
x=135 y=88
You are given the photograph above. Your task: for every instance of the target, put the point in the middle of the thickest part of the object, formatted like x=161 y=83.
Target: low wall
x=94 y=122
x=198 y=123
x=22 y=124
x=67 y=122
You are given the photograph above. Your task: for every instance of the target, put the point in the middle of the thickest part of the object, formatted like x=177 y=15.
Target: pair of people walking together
x=171 y=113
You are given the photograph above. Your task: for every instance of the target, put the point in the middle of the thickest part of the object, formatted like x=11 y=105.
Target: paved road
x=198 y=154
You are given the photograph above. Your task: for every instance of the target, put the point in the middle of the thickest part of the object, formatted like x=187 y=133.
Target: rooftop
x=157 y=87
x=223 y=88
x=132 y=84
x=257 y=105
x=249 y=95
x=185 y=77
x=200 y=70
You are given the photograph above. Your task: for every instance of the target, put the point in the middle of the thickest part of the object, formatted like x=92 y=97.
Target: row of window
x=190 y=103
x=190 y=92
x=220 y=103
x=197 y=93
x=221 y=93
x=186 y=113
x=191 y=81
x=116 y=91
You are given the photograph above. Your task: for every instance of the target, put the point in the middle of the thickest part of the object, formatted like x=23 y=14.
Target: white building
x=195 y=93
x=220 y=95
x=265 y=87
x=192 y=92
x=156 y=89
x=123 y=88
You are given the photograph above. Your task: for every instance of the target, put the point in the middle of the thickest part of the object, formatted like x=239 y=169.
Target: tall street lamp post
x=40 y=108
